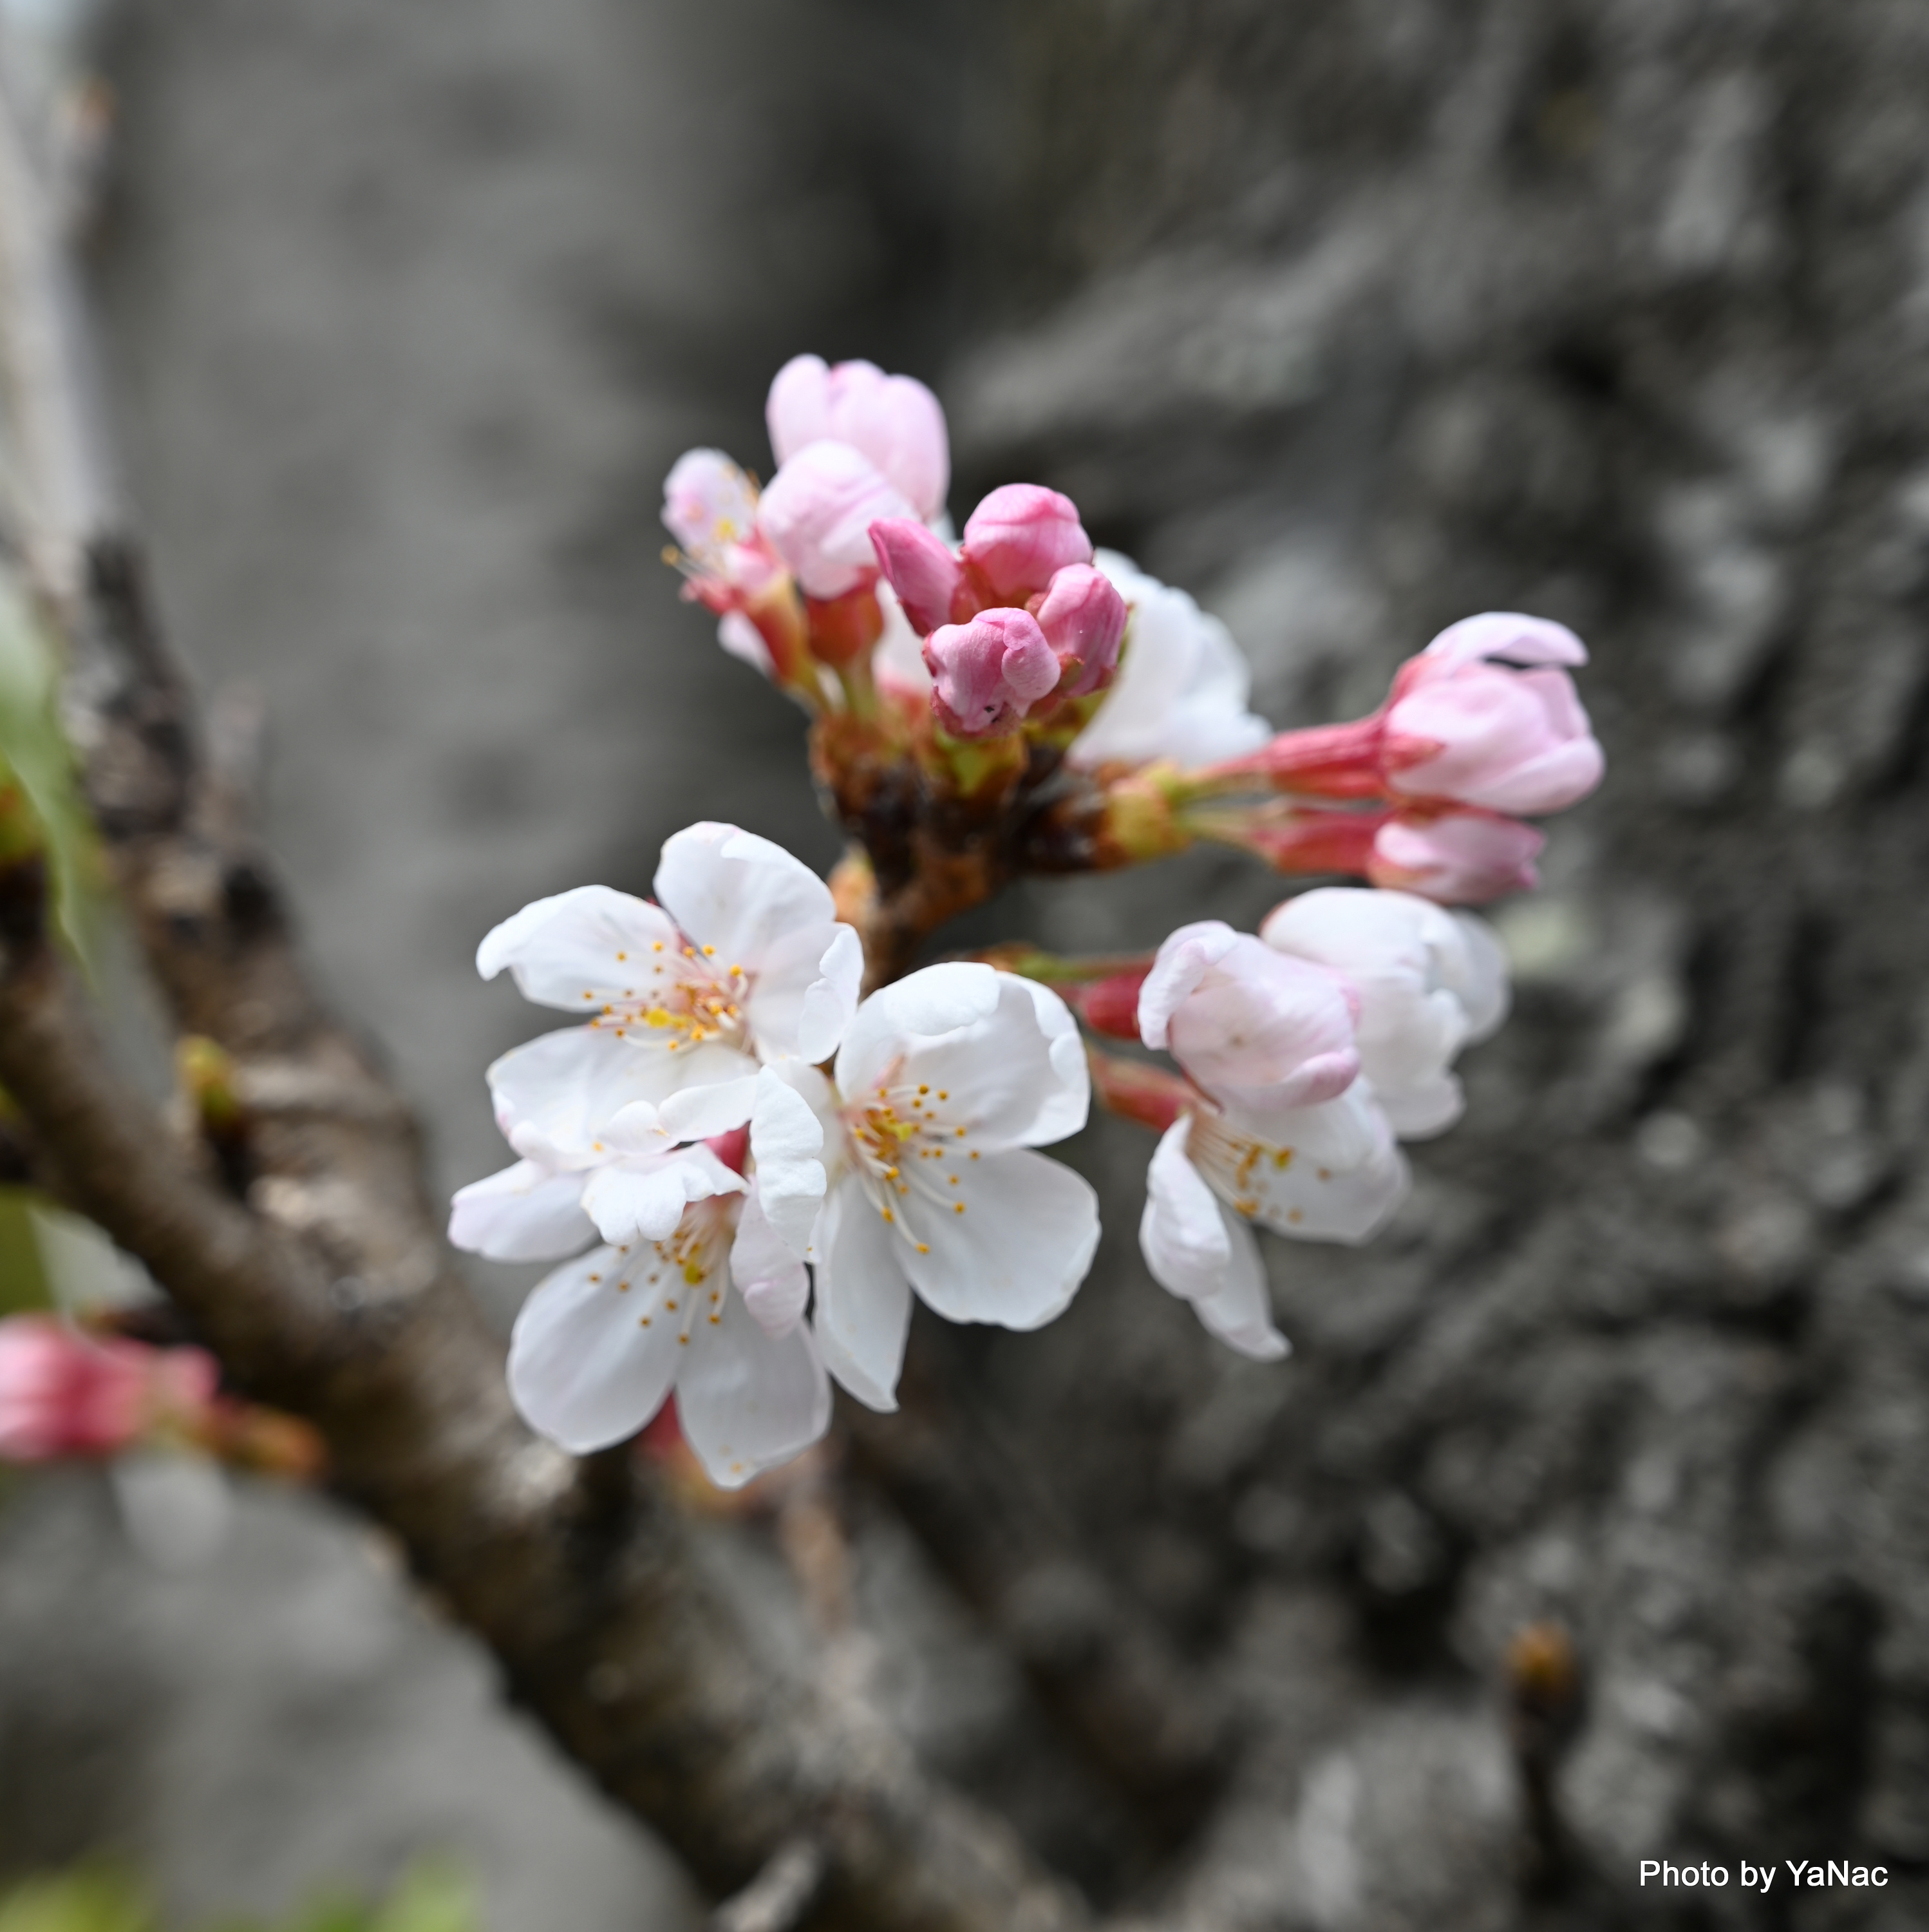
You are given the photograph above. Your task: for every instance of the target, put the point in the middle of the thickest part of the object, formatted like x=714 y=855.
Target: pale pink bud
x=1457 y=858
x=1465 y=723
x=1021 y=536
x=920 y=569
x=988 y=674
x=63 y=1393
x=709 y=505
x=894 y=420
x=1083 y=618
x=817 y=515
x=1261 y=1033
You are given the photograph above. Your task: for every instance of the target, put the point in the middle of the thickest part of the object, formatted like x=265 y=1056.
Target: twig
x=777 y=1900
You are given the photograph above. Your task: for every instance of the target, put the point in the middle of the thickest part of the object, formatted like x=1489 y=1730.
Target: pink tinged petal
x=1456 y=857
x=1082 y=618
x=1183 y=962
x=643 y=1198
x=1421 y=973
x=527 y=1213
x=772 y=1281
x=817 y=515
x=831 y=998
x=747 y=1399
x=555 y=1095
x=579 y=950
x=701 y=1113
x=583 y=1368
x=1509 y=636
x=708 y=505
x=920 y=569
x=986 y=675
x=797 y=412
x=1020 y=536
x=745 y=642
x=900 y=425
x=863 y=1300
x=1254 y=1022
x=740 y=893
x=1308 y=1179
x=787 y=1139
x=1018 y=1250
x=1505 y=740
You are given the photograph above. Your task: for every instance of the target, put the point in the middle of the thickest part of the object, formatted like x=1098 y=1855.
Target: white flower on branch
x=742 y=961
x=912 y=1170
x=1429 y=981
x=1181 y=688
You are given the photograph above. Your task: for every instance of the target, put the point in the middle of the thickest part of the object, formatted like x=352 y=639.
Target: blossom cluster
x=747 y=1169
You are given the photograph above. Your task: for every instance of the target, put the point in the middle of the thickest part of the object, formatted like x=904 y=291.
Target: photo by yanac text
x=783 y=1112
x=1837 y=1873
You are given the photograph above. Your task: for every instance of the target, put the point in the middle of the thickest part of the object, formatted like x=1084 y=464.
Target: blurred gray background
x=1353 y=317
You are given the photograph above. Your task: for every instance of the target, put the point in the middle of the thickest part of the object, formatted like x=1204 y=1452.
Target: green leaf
x=79 y=1902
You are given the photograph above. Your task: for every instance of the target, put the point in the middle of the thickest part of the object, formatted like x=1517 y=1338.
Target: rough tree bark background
x=1353 y=317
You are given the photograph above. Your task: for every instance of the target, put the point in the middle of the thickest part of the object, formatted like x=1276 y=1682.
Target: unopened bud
x=989 y=672
x=923 y=572
x=1083 y=619
x=1021 y=536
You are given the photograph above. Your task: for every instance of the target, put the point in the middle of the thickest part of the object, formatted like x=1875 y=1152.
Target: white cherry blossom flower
x=1430 y=981
x=1211 y=1182
x=913 y=1170
x=1181 y=688
x=742 y=961
x=602 y=1341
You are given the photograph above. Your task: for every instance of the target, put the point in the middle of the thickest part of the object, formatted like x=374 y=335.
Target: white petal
x=582 y=1369
x=786 y=1137
x=830 y=999
x=1479 y=976
x=697 y=1113
x=527 y=1213
x=1068 y=1105
x=1338 y=1133
x=577 y=950
x=1422 y=1108
x=642 y=1198
x=1181 y=1233
x=747 y=1400
x=790 y=971
x=745 y=642
x=1017 y=1255
x=928 y=1004
x=771 y=1280
x=863 y=1301
x=737 y=893
x=1185 y=959
x=1240 y=1312
x=1292 y=1190
x=555 y=1095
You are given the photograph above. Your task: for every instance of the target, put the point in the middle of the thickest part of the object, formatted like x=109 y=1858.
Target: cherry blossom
x=1429 y=981
x=912 y=1168
x=1211 y=1182
x=893 y=421
x=65 y=1394
x=1181 y=688
x=741 y=961
x=817 y=514
x=603 y=1340
x=1456 y=858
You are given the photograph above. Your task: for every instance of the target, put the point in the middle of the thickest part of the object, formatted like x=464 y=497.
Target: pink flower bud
x=925 y=574
x=1083 y=618
x=64 y=1393
x=1461 y=726
x=1021 y=536
x=1258 y=1039
x=1456 y=858
x=817 y=515
x=989 y=672
x=893 y=420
